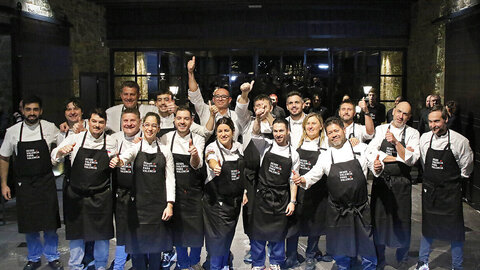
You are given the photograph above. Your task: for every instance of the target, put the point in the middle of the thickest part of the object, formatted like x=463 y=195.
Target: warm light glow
x=174 y=90
x=367 y=89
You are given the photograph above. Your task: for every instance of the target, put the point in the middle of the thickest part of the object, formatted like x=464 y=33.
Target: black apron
x=37 y=202
x=442 y=209
x=122 y=182
x=222 y=201
x=88 y=200
x=348 y=212
x=147 y=232
x=311 y=203
x=272 y=197
x=392 y=200
x=188 y=214
x=352 y=135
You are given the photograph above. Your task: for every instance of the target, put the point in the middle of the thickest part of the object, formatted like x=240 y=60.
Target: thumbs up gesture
x=377 y=165
x=390 y=138
x=192 y=149
x=67 y=149
x=247 y=87
x=213 y=109
x=115 y=161
x=191 y=65
x=218 y=168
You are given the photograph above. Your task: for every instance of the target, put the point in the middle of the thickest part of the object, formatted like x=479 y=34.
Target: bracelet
x=294 y=202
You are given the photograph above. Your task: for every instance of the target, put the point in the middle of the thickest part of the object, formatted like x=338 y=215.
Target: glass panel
x=390 y=87
x=373 y=65
x=293 y=63
x=148 y=87
x=147 y=63
x=124 y=63
x=392 y=63
x=242 y=62
x=118 y=84
x=317 y=63
x=269 y=62
x=218 y=62
x=172 y=83
x=201 y=60
x=171 y=63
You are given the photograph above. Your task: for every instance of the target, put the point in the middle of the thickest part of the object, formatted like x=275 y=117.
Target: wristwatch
x=294 y=202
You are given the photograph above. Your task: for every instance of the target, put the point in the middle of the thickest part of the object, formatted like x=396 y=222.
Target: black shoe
x=32 y=265
x=55 y=265
x=290 y=263
x=326 y=258
x=310 y=264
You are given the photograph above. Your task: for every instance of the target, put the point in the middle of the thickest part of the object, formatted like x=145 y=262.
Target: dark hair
x=281 y=121
x=262 y=97
x=294 y=93
x=130 y=84
x=151 y=114
x=75 y=101
x=100 y=112
x=334 y=120
x=32 y=99
x=131 y=110
x=183 y=108
x=164 y=92
x=452 y=105
x=401 y=98
x=347 y=101
x=440 y=108
x=225 y=121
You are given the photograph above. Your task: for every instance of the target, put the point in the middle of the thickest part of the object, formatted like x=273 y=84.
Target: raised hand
x=137 y=139
x=363 y=105
x=192 y=149
x=66 y=149
x=354 y=141
x=247 y=87
x=191 y=65
x=115 y=161
x=218 y=169
x=377 y=165
x=213 y=109
x=64 y=127
x=390 y=138
x=78 y=127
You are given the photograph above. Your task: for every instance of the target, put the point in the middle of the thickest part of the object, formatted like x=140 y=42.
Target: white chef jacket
x=312 y=145
x=30 y=133
x=131 y=154
x=458 y=143
x=181 y=144
x=360 y=132
x=296 y=130
x=168 y=122
x=63 y=135
x=213 y=152
x=324 y=162
x=124 y=141
x=114 y=115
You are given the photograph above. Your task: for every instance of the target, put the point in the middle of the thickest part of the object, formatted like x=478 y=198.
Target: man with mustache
x=348 y=213
x=393 y=150
x=88 y=198
x=447 y=159
x=356 y=133
x=37 y=203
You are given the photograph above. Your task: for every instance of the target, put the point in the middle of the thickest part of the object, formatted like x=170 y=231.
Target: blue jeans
x=219 y=262
x=36 y=248
x=77 y=251
x=344 y=262
x=457 y=252
x=184 y=260
x=277 y=252
x=120 y=258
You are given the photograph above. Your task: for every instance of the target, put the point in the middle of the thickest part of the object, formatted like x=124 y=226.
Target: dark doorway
x=94 y=91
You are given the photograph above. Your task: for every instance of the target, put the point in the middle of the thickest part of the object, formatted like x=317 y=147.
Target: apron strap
x=354 y=157
x=84 y=136
x=221 y=151
x=173 y=139
x=353 y=131
x=66 y=134
x=104 y=141
x=120 y=149
x=447 y=147
x=21 y=131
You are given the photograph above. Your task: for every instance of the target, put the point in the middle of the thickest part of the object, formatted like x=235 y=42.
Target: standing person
x=129 y=95
x=123 y=182
x=447 y=159
x=88 y=197
x=295 y=120
x=307 y=105
x=224 y=190
x=151 y=204
x=166 y=107
x=275 y=196
x=277 y=111
x=397 y=146
x=221 y=99
x=398 y=99
x=453 y=122
x=187 y=150
x=376 y=110
x=348 y=211
x=37 y=203
x=317 y=106
x=312 y=203
x=356 y=133
x=423 y=119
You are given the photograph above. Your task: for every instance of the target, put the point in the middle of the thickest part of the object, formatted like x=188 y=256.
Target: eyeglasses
x=221 y=96
x=147 y=125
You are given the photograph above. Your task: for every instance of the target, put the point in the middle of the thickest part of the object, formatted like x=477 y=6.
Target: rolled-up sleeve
x=200 y=107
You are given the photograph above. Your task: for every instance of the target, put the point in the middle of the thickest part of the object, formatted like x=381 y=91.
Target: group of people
x=156 y=181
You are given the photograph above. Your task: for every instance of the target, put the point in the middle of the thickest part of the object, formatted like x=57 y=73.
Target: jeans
x=36 y=248
x=184 y=260
x=310 y=252
x=77 y=251
x=277 y=252
x=140 y=261
x=344 y=262
x=219 y=262
x=120 y=258
x=457 y=252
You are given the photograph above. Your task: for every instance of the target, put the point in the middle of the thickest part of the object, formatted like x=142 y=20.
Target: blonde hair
x=304 y=124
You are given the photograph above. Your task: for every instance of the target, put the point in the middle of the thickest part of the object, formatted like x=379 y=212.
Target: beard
x=32 y=121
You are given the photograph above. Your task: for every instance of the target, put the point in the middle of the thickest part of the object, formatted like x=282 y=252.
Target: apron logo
x=127 y=169
x=235 y=175
x=32 y=154
x=90 y=164
x=391 y=151
x=345 y=175
x=437 y=164
x=274 y=168
x=181 y=167
x=305 y=165
x=149 y=167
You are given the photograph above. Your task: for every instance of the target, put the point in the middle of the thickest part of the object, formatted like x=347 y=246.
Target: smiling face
x=295 y=105
x=32 y=113
x=346 y=112
x=313 y=127
x=225 y=135
x=336 y=135
x=96 y=125
x=401 y=114
x=162 y=102
x=183 y=121
x=73 y=114
x=221 y=98
x=129 y=97
x=280 y=133
x=150 y=128
x=437 y=124
x=130 y=124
